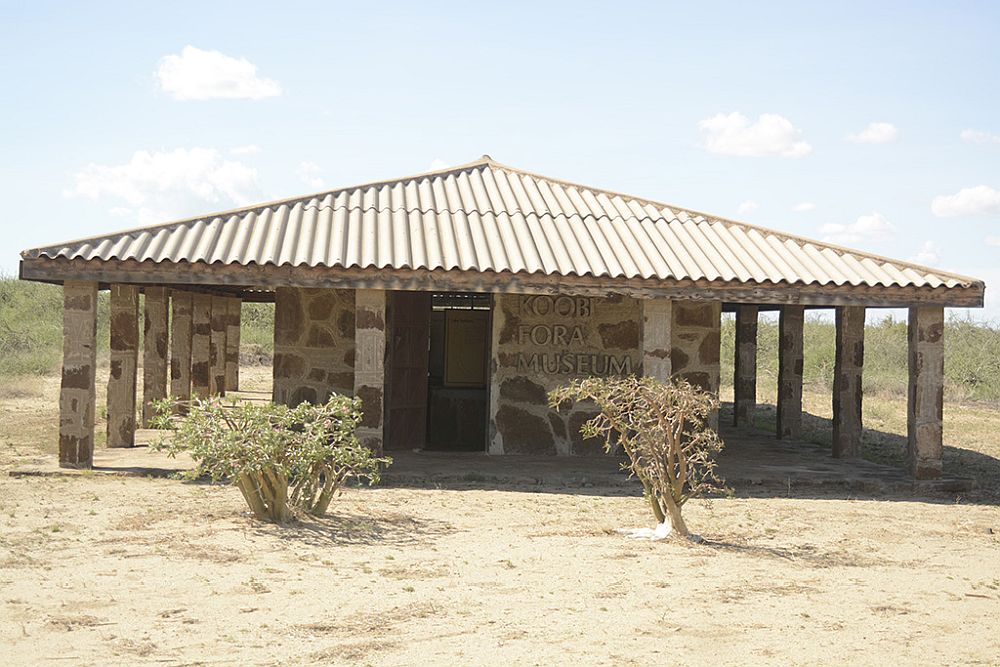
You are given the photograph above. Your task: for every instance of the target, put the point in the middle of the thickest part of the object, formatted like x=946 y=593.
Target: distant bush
x=31 y=327
x=257 y=331
x=971 y=361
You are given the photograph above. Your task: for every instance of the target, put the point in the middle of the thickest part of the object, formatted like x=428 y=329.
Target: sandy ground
x=97 y=570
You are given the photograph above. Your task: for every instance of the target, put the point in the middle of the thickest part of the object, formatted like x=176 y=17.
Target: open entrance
x=437 y=371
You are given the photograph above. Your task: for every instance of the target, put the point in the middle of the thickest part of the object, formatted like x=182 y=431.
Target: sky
x=872 y=126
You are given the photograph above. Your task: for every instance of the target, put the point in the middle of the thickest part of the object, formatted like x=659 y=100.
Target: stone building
x=451 y=302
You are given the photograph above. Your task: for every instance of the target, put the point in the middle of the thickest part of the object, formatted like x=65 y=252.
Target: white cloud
x=156 y=186
x=928 y=254
x=249 y=149
x=978 y=200
x=309 y=174
x=205 y=75
x=804 y=207
x=735 y=134
x=865 y=228
x=875 y=133
x=749 y=206
x=979 y=137
x=437 y=164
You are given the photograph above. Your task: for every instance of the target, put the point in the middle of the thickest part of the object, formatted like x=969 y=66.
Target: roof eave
x=184 y=274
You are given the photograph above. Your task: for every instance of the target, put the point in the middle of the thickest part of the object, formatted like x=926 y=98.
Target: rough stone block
x=925 y=400
x=156 y=339
x=124 y=320
x=847 y=389
x=77 y=395
x=790 y=364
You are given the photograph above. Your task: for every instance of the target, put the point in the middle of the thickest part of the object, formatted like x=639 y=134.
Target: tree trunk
x=647 y=491
x=252 y=495
x=676 y=520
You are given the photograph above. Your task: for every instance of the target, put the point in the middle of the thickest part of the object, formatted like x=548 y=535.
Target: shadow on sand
x=754 y=463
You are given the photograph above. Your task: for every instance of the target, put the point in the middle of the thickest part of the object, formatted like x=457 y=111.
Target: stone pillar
x=156 y=340
x=201 y=333
x=233 y=344
x=124 y=361
x=77 y=394
x=790 y=361
x=369 y=363
x=745 y=366
x=695 y=337
x=180 y=346
x=850 y=358
x=656 y=316
x=925 y=396
x=217 y=346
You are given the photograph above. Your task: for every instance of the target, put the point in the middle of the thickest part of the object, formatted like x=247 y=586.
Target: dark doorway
x=406 y=370
x=458 y=372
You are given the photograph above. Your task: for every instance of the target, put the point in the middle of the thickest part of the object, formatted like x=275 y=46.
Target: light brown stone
x=790 y=365
x=201 y=314
x=180 y=344
x=156 y=340
x=233 y=321
x=217 y=346
x=657 y=316
x=369 y=362
x=317 y=359
x=124 y=316
x=77 y=395
x=925 y=400
x=847 y=389
x=745 y=367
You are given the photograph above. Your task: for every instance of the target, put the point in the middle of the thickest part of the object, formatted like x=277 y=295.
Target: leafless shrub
x=662 y=428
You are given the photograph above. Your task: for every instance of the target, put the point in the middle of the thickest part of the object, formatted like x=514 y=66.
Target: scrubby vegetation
x=285 y=461
x=663 y=428
x=972 y=356
x=31 y=328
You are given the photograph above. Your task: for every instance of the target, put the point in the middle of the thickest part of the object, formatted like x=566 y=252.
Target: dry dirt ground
x=98 y=570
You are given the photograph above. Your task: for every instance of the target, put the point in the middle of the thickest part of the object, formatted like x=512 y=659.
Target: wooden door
x=406 y=394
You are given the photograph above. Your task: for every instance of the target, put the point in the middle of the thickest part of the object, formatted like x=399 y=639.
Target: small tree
x=282 y=459
x=663 y=429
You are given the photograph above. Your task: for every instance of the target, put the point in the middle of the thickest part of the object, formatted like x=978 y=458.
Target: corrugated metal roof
x=488 y=217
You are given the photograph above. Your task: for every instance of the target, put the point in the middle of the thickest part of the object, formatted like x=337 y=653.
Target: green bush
x=971 y=361
x=31 y=327
x=284 y=460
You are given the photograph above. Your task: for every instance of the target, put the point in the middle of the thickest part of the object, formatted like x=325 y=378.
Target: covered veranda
x=576 y=280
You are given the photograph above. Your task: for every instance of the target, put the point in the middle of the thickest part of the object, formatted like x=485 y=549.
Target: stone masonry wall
x=313 y=344
x=541 y=342
x=696 y=335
